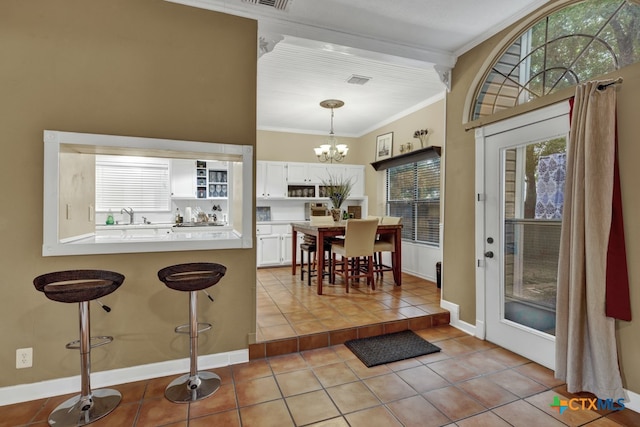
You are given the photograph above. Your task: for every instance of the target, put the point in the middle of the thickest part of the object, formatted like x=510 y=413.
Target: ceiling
x=308 y=49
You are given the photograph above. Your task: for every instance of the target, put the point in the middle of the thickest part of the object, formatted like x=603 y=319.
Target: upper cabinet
x=183 y=178
x=271 y=179
x=200 y=179
x=292 y=179
x=306 y=173
x=355 y=172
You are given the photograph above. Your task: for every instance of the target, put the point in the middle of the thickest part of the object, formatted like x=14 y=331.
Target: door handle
x=489 y=254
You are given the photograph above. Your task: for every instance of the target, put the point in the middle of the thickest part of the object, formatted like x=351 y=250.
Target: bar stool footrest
x=184 y=329
x=101 y=340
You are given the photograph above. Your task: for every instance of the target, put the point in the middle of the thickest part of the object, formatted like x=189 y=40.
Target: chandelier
x=331 y=151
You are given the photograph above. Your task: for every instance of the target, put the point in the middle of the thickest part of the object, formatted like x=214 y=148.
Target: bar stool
x=82 y=286
x=385 y=243
x=310 y=246
x=192 y=277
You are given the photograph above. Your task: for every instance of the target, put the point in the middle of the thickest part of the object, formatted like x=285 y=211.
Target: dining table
x=321 y=232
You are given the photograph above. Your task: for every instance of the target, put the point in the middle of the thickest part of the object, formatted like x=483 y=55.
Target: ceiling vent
x=358 y=80
x=275 y=4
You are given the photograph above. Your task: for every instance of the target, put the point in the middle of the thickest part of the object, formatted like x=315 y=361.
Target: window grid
x=579 y=42
x=413 y=193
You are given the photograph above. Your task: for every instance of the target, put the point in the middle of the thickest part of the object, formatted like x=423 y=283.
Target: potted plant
x=337 y=189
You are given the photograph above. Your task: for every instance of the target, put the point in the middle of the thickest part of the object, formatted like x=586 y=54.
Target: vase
x=335 y=213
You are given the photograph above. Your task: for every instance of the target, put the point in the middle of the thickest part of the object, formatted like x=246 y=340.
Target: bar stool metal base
x=74 y=412
x=189 y=388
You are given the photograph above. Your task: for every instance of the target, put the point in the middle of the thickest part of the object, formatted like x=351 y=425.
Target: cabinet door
x=286 y=248
x=183 y=178
x=274 y=179
x=269 y=250
x=356 y=173
x=297 y=173
x=260 y=179
x=318 y=173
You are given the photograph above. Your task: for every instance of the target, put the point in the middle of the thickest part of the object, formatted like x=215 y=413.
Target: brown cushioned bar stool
x=82 y=286
x=192 y=277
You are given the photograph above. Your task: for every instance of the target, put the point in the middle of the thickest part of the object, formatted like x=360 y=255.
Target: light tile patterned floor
x=470 y=383
x=287 y=307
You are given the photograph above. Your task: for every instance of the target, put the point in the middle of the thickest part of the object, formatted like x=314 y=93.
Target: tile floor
x=292 y=317
x=469 y=383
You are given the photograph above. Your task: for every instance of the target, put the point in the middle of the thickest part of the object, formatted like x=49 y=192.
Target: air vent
x=358 y=80
x=276 y=4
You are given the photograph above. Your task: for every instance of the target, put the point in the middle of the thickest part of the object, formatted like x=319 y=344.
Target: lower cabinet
x=269 y=250
x=274 y=245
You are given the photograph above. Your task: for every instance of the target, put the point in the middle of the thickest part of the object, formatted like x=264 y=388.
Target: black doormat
x=389 y=348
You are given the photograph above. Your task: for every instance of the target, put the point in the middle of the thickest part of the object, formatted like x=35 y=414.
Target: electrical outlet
x=24 y=358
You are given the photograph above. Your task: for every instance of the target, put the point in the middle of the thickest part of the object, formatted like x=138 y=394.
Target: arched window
x=576 y=43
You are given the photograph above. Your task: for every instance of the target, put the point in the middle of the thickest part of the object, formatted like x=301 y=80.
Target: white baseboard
x=632 y=401
x=25 y=392
x=454 y=310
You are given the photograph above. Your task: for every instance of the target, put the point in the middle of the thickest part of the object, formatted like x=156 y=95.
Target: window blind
x=413 y=192
x=140 y=183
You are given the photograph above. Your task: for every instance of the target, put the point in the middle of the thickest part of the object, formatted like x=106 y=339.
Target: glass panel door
x=523 y=183
x=533 y=186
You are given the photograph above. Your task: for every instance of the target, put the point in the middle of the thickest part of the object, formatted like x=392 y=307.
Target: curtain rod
x=617 y=81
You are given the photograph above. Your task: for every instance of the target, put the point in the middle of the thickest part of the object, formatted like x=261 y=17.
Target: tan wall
x=459 y=264
x=431 y=117
x=298 y=147
x=144 y=68
x=283 y=146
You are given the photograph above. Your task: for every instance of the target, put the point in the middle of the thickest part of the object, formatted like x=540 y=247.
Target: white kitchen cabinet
x=271 y=179
x=306 y=173
x=183 y=178
x=286 y=248
x=274 y=244
x=356 y=173
x=297 y=173
x=277 y=179
x=269 y=249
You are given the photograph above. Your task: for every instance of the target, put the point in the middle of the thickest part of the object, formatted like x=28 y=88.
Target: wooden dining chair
x=357 y=243
x=385 y=243
x=309 y=245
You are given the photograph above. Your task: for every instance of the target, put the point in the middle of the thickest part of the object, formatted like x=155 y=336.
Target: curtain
x=586 y=352
x=551 y=173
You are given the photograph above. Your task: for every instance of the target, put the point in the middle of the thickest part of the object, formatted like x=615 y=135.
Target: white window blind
x=413 y=192
x=141 y=183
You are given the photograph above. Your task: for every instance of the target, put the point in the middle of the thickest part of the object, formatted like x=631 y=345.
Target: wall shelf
x=403 y=159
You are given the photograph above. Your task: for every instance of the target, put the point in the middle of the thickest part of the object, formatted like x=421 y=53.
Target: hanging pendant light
x=331 y=151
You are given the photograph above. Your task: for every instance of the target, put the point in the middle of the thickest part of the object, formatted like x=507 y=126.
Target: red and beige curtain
x=593 y=286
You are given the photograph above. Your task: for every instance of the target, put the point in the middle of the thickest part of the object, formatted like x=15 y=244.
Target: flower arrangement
x=337 y=189
x=421 y=134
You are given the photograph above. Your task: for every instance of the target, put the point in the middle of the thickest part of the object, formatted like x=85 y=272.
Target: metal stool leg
x=88 y=406
x=194 y=385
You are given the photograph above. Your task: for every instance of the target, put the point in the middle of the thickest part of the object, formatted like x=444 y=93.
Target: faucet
x=130 y=212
